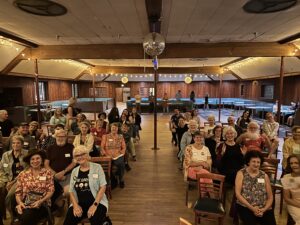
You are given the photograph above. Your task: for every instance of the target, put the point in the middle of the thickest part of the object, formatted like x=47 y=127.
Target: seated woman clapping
x=87 y=190
x=197 y=157
x=253 y=192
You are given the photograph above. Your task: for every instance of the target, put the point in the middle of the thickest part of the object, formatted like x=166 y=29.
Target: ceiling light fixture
x=41 y=7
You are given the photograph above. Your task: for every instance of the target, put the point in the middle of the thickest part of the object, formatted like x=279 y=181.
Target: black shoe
x=122 y=184
x=127 y=167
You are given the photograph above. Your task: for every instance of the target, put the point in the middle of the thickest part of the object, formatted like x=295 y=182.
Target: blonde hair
x=18 y=138
x=229 y=128
x=211 y=117
x=193 y=122
x=80 y=149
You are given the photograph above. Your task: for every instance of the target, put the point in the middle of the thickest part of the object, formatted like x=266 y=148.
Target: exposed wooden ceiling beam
x=17 y=39
x=13 y=63
x=167 y=70
x=289 y=38
x=154 y=8
x=235 y=75
x=81 y=74
x=179 y=50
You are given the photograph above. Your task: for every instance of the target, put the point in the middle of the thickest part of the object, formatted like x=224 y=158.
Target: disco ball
x=154 y=44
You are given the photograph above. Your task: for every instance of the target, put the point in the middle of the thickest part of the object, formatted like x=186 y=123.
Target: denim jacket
x=96 y=180
x=6 y=163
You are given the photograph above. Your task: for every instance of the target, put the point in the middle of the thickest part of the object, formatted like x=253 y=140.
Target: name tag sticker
x=110 y=140
x=26 y=143
x=261 y=180
x=5 y=165
x=95 y=175
x=42 y=178
x=67 y=155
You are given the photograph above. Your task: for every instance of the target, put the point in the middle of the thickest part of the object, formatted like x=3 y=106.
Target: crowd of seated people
x=37 y=172
x=237 y=151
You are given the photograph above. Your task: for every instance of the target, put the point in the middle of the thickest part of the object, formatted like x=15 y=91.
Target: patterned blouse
x=43 y=183
x=254 y=189
x=113 y=145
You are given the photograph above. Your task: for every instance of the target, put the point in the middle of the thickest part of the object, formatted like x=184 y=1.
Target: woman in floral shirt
x=34 y=189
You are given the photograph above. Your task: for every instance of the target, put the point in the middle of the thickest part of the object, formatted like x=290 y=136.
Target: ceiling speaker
x=268 y=6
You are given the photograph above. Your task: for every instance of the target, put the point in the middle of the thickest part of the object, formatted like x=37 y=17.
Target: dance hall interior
x=149 y=112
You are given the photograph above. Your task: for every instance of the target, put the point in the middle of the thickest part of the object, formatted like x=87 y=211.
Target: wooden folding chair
x=270 y=167
x=209 y=205
x=106 y=163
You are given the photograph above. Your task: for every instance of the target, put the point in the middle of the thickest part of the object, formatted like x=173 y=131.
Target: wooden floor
x=155 y=191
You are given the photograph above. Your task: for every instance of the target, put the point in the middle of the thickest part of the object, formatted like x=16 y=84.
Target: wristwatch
x=95 y=204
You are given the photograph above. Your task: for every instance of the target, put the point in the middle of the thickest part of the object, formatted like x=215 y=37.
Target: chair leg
x=281 y=202
x=197 y=219
x=186 y=195
x=221 y=220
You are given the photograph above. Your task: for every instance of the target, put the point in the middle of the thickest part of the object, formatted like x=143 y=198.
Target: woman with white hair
x=208 y=129
x=87 y=190
x=253 y=140
x=187 y=138
x=230 y=155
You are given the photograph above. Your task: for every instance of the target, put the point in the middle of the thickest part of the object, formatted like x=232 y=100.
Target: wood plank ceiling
x=108 y=34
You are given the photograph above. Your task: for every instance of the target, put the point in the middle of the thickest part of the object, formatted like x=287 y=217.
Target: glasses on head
x=79 y=155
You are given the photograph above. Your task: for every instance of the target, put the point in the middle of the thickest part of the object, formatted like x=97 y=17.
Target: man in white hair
x=253 y=140
x=5 y=124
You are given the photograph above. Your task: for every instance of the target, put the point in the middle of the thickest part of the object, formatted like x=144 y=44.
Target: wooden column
x=94 y=94
x=155 y=109
x=37 y=91
x=280 y=89
x=220 y=97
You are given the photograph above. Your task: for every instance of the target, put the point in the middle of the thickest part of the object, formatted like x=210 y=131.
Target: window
x=74 y=90
x=267 y=91
x=151 y=90
x=43 y=90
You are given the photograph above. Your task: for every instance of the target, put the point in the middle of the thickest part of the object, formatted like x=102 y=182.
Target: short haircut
x=18 y=138
x=198 y=133
x=59 y=125
x=3 y=111
x=211 y=117
x=102 y=114
x=85 y=123
x=114 y=124
x=193 y=122
x=295 y=128
x=228 y=128
x=253 y=123
x=288 y=167
x=250 y=154
x=80 y=149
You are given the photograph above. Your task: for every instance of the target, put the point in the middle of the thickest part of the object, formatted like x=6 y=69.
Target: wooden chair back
x=105 y=163
x=213 y=189
x=270 y=167
x=184 y=222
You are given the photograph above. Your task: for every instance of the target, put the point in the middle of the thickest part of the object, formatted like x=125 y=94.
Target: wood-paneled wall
x=57 y=90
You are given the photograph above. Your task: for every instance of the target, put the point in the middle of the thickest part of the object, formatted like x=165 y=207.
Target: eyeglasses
x=80 y=155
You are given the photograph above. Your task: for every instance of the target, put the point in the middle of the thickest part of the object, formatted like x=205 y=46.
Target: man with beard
x=252 y=139
x=60 y=161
